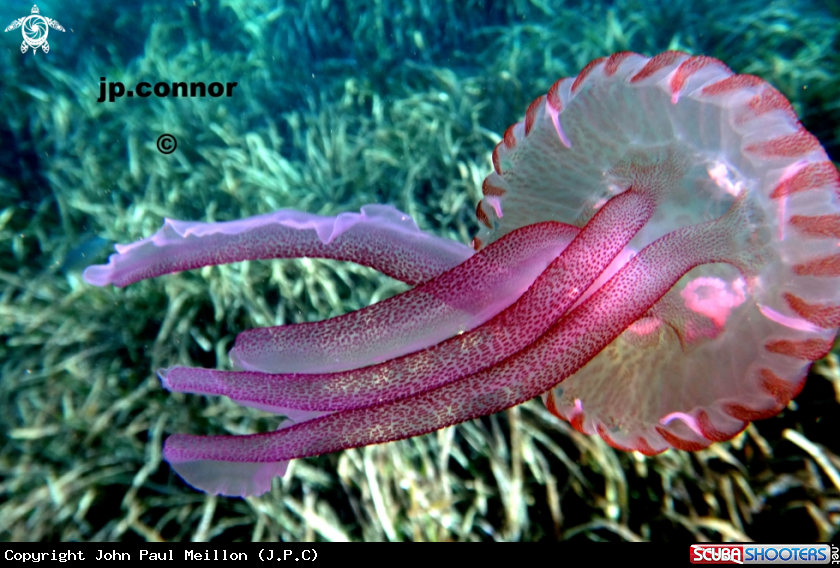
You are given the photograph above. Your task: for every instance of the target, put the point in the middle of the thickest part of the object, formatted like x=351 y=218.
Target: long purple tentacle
x=457 y=301
x=564 y=349
x=380 y=237
x=551 y=295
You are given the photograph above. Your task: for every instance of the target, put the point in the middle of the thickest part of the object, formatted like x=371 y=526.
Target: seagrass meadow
x=339 y=104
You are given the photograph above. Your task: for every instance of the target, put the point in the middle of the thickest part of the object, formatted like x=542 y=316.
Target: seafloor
x=340 y=104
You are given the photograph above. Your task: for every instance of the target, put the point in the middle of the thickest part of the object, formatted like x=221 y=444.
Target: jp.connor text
x=116 y=90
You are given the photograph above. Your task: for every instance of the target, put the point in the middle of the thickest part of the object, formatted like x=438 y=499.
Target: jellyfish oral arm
x=556 y=355
x=464 y=295
x=556 y=290
x=552 y=294
x=452 y=303
x=380 y=237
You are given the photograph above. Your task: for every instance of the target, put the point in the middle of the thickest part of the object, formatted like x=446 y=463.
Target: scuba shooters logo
x=764 y=554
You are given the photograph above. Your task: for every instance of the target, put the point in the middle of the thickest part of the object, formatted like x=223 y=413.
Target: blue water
x=77 y=174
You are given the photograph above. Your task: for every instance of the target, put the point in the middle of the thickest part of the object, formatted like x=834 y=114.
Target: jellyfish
x=657 y=259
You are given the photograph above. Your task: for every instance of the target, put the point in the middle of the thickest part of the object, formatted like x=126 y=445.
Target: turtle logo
x=35 y=30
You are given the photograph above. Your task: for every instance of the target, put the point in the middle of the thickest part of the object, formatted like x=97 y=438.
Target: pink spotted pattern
x=551 y=295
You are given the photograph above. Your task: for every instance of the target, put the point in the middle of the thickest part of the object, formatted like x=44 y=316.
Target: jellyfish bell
x=721 y=348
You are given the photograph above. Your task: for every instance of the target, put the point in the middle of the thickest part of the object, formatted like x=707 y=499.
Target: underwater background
x=338 y=104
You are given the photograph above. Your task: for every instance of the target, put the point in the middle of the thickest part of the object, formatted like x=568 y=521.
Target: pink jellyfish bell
x=733 y=339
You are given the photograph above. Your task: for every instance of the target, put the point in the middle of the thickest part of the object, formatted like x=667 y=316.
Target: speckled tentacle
x=455 y=302
x=551 y=295
x=380 y=237
x=566 y=347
